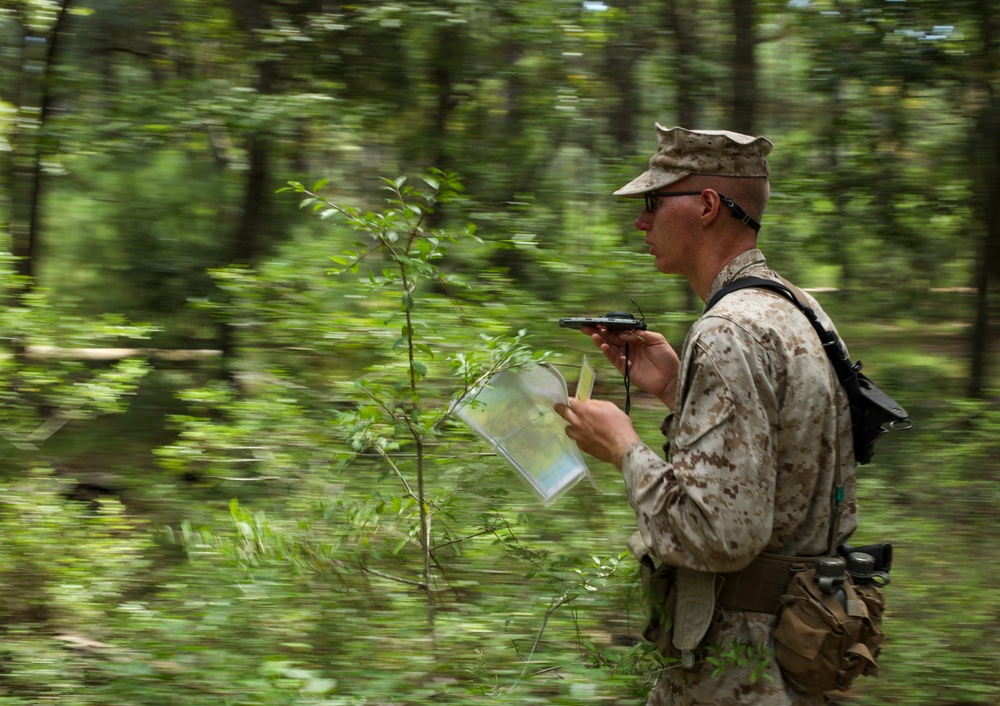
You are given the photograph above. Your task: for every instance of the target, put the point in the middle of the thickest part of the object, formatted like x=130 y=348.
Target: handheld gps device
x=612 y=321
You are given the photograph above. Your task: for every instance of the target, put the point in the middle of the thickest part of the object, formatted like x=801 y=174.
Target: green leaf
x=319 y=686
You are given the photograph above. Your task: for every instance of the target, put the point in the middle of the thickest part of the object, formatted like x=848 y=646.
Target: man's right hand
x=652 y=362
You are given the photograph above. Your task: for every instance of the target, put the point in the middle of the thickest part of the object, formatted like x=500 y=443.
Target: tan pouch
x=823 y=644
x=660 y=590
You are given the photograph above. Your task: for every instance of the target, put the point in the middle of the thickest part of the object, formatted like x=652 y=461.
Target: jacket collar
x=747 y=263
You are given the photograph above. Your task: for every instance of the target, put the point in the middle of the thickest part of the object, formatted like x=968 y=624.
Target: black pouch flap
x=889 y=409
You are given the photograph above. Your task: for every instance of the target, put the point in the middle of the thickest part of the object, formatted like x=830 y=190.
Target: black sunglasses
x=650 y=199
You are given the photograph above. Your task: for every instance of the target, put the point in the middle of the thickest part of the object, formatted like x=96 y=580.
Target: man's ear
x=711 y=207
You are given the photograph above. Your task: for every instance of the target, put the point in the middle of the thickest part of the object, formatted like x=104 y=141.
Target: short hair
x=750 y=193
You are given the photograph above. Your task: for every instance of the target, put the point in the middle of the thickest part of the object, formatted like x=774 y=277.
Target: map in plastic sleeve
x=514 y=413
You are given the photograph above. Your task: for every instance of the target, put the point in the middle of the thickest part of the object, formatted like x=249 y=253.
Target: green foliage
x=63 y=573
x=937 y=507
x=740 y=655
x=42 y=391
x=62 y=568
x=411 y=514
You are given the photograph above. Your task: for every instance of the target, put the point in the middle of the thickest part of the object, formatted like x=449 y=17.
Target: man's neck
x=712 y=263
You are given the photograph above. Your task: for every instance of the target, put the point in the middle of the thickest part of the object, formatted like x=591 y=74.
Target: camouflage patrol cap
x=708 y=152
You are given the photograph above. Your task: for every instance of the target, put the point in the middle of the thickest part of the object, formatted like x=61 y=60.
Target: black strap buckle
x=740 y=213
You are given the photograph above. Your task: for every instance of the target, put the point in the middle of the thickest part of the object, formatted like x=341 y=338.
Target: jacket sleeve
x=711 y=507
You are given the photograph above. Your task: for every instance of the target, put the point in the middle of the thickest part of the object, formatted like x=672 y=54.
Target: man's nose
x=644 y=221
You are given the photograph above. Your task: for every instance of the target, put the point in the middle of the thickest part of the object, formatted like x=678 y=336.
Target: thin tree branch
x=395 y=469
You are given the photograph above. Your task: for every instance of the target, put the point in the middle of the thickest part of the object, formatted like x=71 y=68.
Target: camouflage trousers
x=697 y=687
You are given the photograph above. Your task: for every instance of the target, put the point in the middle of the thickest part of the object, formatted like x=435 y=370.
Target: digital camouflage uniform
x=752 y=454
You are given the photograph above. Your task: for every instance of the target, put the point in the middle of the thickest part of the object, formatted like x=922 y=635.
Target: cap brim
x=650 y=180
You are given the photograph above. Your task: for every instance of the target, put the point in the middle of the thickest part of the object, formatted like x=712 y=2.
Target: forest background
x=229 y=470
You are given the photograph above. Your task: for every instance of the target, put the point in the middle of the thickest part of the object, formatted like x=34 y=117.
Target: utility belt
x=829 y=608
x=760 y=587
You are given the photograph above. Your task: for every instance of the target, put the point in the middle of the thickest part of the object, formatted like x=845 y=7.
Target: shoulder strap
x=873 y=412
x=846 y=373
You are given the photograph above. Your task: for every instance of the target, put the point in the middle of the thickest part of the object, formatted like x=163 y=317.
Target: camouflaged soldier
x=758 y=429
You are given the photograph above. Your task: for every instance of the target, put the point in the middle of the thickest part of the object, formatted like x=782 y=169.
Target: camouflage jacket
x=752 y=441
x=753 y=444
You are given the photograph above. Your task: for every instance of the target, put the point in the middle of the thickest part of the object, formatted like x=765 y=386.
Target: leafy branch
x=399 y=236
x=597 y=577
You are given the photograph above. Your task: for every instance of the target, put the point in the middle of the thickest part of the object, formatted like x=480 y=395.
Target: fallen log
x=104 y=354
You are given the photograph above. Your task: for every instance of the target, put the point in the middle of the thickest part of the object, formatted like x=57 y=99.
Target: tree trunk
x=743 y=67
x=256 y=197
x=28 y=146
x=447 y=56
x=980 y=340
x=987 y=256
x=443 y=78
x=682 y=25
x=839 y=186
x=255 y=222
x=986 y=150
x=624 y=101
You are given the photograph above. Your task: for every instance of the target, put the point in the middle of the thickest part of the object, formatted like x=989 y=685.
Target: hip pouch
x=660 y=591
x=829 y=628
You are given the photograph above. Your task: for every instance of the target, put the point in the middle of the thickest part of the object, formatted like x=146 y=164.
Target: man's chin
x=666 y=267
